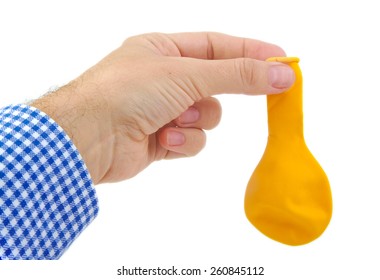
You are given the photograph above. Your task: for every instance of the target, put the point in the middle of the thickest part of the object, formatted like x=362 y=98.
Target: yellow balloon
x=288 y=197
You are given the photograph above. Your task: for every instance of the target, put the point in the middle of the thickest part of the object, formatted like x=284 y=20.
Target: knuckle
x=187 y=81
x=247 y=71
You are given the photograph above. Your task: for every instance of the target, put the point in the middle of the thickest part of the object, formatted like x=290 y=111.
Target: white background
x=189 y=212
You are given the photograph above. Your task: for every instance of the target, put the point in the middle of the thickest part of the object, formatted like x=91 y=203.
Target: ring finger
x=205 y=114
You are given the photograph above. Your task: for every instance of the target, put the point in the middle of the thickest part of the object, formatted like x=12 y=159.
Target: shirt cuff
x=47 y=197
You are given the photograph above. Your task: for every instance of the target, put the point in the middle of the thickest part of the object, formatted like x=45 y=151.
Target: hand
x=150 y=99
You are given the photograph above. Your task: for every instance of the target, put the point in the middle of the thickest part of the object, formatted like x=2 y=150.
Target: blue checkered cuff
x=46 y=194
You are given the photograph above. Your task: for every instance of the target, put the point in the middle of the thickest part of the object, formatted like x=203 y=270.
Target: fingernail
x=191 y=115
x=281 y=76
x=175 y=138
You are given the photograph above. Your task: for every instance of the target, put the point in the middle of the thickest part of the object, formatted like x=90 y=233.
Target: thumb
x=243 y=75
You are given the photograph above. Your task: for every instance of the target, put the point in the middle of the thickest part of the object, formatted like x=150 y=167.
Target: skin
x=151 y=98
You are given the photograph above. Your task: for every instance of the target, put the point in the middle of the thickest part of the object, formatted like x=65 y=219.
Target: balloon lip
x=284 y=59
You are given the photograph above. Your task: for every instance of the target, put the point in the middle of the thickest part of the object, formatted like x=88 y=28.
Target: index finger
x=211 y=45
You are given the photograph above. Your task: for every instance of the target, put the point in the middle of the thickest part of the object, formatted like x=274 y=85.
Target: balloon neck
x=285 y=113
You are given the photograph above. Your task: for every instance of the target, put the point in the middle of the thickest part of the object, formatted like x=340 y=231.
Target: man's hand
x=151 y=99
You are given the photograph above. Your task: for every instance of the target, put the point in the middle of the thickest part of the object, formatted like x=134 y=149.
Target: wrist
x=82 y=117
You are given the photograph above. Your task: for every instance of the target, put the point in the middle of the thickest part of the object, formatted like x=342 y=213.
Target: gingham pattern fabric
x=46 y=193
